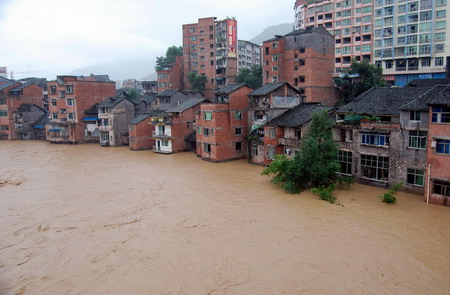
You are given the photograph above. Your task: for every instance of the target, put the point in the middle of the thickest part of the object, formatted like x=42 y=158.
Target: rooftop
x=298 y=115
x=186 y=105
x=420 y=103
x=441 y=98
x=420 y=83
x=229 y=88
x=268 y=88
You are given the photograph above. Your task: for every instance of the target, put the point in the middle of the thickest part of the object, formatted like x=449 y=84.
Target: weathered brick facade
x=141 y=133
x=171 y=76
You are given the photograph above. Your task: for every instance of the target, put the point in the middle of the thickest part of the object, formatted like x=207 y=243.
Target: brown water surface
x=91 y=220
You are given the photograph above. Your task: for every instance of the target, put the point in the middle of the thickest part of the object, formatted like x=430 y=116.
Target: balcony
x=104 y=128
x=345 y=145
x=161 y=150
x=289 y=141
x=103 y=115
x=156 y=134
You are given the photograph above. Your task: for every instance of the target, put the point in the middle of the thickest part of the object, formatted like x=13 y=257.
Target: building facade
x=171 y=75
x=304 y=59
x=222 y=126
x=69 y=98
x=249 y=55
x=209 y=49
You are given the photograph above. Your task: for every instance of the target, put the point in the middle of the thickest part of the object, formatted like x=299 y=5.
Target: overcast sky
x=51 y=37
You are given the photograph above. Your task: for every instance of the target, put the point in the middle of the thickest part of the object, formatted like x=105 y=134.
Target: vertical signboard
x=232 y=37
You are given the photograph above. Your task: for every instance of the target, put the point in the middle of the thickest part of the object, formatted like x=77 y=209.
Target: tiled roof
x=20 y=87
x=298 y=115
x=26 y=107
x=420 y=103
x=110 y=102
x=443 y=97
x=140 y=118
x=3 y=79
x=420 y=83
x=92 y=110
x=305 y=31
x=148 y=98
x=229 y=88
x=186 y=105
x=382 y=101
x=266 y=89
x=8 y=84
x=167 y=92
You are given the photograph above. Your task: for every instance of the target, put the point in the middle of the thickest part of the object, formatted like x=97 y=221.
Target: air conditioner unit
x=433 y=143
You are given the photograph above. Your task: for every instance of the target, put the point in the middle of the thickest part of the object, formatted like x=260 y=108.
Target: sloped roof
x=3 y=79
x=266 y=89
x=298 y=115
x=111 y=102
x=20 y=87
x=229 y=88
x=382 y=101
x=44 y=119
x=148 y=98
x=8 y=84
x=140 y=118
x=167 y=92
x=443 y=97
x=420 y=103
x=186 y=105
x=26 y=107
x=92 y=110
x=420 y=83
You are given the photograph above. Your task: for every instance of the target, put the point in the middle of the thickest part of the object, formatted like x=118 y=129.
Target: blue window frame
x=440 y=114
x=443 y=146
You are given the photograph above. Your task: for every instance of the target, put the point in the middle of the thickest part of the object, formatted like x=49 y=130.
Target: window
x=4 y=127
x=238 y=131
x=54 y=102
x=275 y=69
x=274 y=45
x=274 y=79
x=206 y=131
x=3 y=113
x=69 y=88
x=70 y=102
x=105 y=122
x=426 y=62
x=193 y=38
x=440 y=36
x=443 y=146
x=238 y=115
x=274 y=57
x=71 y=116
x=440 y=114
x=441 y=2
x=415 y=177
x=255 y=150
x=238 y=146
x=105 y=136
x=441 y=13
x=438 y=61
x=417 y=139
x=414 y=116
x=52 y=89
x=302 y=49
x=207 y=115
x=207 y=147
x=374 y=167
x=270 y=132
x=439 y=47
x=345 y=160
x=374 y=138
x=440 y=25
x=441 y=188
x=54 y=116
x=301 y=78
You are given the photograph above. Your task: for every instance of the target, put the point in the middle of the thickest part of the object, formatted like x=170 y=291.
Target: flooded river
x=91 y=220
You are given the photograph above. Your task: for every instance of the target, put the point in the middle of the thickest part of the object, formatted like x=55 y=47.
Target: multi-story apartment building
x=69 y=98
x=410 y=39
x=171 y=75
x=150 y=86
x=209 y=49
x=350 y=22
x=305 y=59
x=249 y=54
x=13 y=96
x=222 y=126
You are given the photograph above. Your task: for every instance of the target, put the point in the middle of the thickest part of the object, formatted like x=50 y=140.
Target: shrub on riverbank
x=389 y=196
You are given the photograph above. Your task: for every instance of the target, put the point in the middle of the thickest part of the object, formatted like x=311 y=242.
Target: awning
x=256 y=126
x=39 y=126
x=90 y=119
x=54 y=130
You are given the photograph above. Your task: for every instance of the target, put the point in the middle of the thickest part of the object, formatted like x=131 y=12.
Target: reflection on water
x=91 y=220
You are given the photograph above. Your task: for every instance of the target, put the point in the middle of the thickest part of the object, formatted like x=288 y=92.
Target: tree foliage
x=361 y=77
x=171 y=54
x=315 y=165
x=133 y=93
x=197 y=82
x=252 y=76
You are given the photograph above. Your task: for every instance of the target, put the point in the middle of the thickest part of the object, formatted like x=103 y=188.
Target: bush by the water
x=389 y=197
x=325 y=193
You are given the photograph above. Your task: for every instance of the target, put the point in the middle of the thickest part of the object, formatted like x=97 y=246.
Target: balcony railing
x=345 y=145
x=289 y=141
x=161 y=135
x=157 y=149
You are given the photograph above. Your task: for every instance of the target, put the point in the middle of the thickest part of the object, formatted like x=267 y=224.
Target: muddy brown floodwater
x=91 y=220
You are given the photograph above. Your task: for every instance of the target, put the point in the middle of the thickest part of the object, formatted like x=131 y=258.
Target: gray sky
x=53 y=37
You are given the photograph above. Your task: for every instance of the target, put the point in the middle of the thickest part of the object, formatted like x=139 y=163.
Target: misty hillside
x=271 y=31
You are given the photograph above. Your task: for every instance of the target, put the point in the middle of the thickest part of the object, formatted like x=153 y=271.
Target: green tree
x=197 y=82
x=132 y=92
x=315 y=165
x=252 y=76
x=171 y=54
x=361 y=77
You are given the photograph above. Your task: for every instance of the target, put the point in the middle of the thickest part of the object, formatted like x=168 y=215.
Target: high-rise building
x=249 y=54
x=209 y=49
x=410 y=39
x=350 y=22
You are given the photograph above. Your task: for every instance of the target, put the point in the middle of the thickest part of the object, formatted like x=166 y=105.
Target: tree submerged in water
x=315 y=166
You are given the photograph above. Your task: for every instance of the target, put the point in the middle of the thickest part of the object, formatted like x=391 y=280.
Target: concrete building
x=382 y=137
x=209 y=49
x=305 y=59
x=410 y=39
x=28 y=120
x=171 y=75
x=174 y=129
x=168 y=99
x=249 y=55
x=149 y=86
x=115 y=114
x=69 y=98
x=222 y=126
x=12 y=95
x=350 y=22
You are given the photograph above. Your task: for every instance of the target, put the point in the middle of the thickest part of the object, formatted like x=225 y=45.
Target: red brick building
x=69 y=98
x=209 y=49
x=305 y=59
x=438 y=152
x=140 y=130
x=171 y=75
x=12 y=95
x=174 y=128
x=222 y=126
